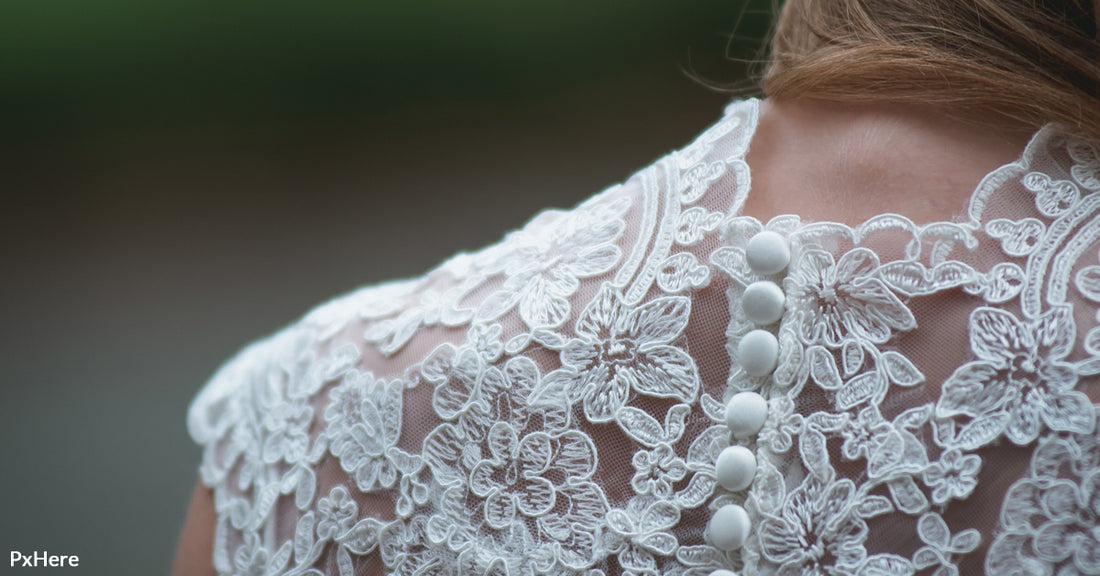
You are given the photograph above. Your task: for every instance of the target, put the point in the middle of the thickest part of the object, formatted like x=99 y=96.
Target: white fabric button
x=758 y=352
x=729 y=527
x=746 y=413
x=768 y=252
x=723 y=572
x=763 y=302
x=735 y=468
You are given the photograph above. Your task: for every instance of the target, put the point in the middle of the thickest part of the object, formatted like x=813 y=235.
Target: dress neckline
x=968 y=213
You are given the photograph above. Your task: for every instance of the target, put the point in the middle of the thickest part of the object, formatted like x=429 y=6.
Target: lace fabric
x=554 y=404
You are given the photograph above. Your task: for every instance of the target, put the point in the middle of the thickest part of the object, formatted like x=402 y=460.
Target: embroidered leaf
x=768 y=487
x=546 y=338
x=496 y=304
x=874 y=505
x=815 y=455
x=981 y=431
x=827 y=422
x=265 y=503
x=343 y=561
x=914 y=417
x=700 y=556
x=714 y=409
x=907 y=496
x=886 y=457
x=307 y=484
x=900 y=370
x=950 y=275
x=823 y=368
x=906 y=277
x=640 y=426
x=732 y=261
x=885 y=565
x=696 y=492
x=705 y=448
x=933 y=530
x=290 y=480
x=517 y=343
x=965 y=542
x=860 y=389
x=363 y=537
x=279 y=559
x=675 y=422
x=925 y=557
x=303 y=537
x=853 y=357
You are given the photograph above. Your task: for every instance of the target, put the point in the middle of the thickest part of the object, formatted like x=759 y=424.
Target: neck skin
x=845 y=163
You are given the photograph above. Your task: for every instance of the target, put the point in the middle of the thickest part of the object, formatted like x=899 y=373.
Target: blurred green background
x=182 y=177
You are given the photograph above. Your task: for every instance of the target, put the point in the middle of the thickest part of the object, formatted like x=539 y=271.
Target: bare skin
x=846 y=162
x=195 y=552
x=825 y=162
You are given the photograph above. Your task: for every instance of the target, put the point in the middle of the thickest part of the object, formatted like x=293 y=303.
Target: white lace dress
x=910 y=399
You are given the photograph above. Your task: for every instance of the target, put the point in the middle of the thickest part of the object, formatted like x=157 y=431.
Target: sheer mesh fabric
x=553 y=404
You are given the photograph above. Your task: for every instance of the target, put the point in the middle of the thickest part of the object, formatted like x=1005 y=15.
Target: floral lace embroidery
x=530 y=438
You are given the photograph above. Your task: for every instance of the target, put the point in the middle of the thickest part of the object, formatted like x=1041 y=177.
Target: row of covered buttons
x=763 y=303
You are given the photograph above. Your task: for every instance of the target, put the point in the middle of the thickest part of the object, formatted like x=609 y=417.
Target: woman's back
x=557 y=403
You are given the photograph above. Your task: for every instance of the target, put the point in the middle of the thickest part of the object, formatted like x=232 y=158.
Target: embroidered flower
x=620 y=348
x=337 y=513
x=460 y=377
x=954 y=476
x=865 y=433
x=781 y=425
x=552 y=252
x=1020 y=380
x=512 y=479
x=1049 y=523
x=253 y=559
x=287 y=424
x=657 y=471
x=563 y=540
x=817 y=532
x=833 y=301
x=364 y=423
x=941 y=546
x=640 y=532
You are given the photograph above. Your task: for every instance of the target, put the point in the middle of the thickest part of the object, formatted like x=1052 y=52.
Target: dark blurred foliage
x=73 y=66
x=180 y=177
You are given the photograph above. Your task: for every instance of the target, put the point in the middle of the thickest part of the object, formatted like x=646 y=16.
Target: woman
x=851 y=329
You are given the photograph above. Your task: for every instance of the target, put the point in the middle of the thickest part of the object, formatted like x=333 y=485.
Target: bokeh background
x=183 y=176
